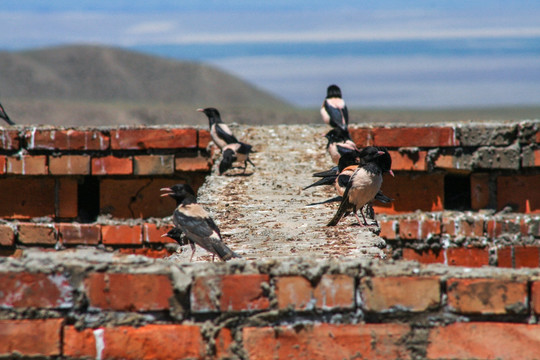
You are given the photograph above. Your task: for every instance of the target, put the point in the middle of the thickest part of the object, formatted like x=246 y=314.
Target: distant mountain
x=94 y=73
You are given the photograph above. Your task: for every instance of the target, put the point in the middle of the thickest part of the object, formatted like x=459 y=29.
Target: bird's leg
x=193 y=248
x=213 y=257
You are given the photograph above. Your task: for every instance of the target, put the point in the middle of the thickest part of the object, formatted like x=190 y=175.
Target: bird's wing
x=225 y=133
x=334 y=113
x=383 y=198
x=345 y=112
x=344 y=206
x=5 y=116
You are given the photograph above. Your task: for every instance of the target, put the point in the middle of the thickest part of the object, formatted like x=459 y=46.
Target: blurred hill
x=96 y=85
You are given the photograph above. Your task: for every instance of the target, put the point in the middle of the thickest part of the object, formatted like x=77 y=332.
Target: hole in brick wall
x=457 y=192
x=88 y=199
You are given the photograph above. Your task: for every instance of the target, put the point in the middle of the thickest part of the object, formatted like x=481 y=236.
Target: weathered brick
x=505 y=257
x=519 y=191
x=32 y=233
x=473 y=228
x=35 y=290
x=487 y=157
x=3 y=164
x=244 y=292
x=429 y=136
x=470 y=257
x=487 y=296
x=27 y=198
x=112 y=165
x=409 y=229
x=424 y=257
x=128 y=292
x=408 y=161
x=136 y=198
x=151 y=253
x=535 y=296
x=362 y=137
x=198 y=163
x=70 y=139
x=69 y=165
x=67 y=198
x=7 y=235
x=484 y=341
x=487 y=134
x=388 y=229
x=334 y=291
x=325 y=341
x=41 y=337
x=153 y=164
x=27 y=165
x=479 y=191
x=444 y=161
x=9 y=139
x=121 y=234
x=412 y=192
x=224 y=341
x=295 y=292
x=126 y=342
x=405 y=293
x=205 y=293
x=526 y=256
x=152 y=234
x=204 y=139
x=78 y=234
x=448 y=225
x=148 y=138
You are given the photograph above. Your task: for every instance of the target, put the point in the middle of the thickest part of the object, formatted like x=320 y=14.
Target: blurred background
x=140 y=62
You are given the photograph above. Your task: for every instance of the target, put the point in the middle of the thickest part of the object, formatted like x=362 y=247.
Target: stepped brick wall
x=93 y=304
x=79 y=204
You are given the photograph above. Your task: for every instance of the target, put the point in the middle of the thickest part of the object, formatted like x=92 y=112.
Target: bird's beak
x=200 y=110
x=391 y=173
x=169 y=191
x=164 y=235
x=380 y=152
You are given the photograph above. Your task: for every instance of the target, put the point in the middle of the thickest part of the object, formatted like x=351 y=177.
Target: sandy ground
x=265 y=213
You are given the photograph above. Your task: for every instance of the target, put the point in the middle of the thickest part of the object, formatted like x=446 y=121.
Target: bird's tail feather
x=343 y=208
x=323 y=181
x=224 y=252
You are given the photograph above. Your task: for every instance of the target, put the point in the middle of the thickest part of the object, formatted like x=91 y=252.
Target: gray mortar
x=266 y=214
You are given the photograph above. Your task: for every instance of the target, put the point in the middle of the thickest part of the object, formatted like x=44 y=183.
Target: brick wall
x=98 y=305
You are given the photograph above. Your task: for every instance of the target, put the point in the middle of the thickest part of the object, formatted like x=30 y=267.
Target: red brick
x=112 y=165
x=473 y=228
x=414 y=136
x=244 y=292
x=410 y=293
x=429 y=227
x=424 y=257
x=198 y=163
x=78 y=234
x=27 y=165
x=479 y=191
x=445 y=162
x=7 y=235
x=205 y=293
x=224 y=341
x=388 y=229
x=40 y=337
x=70 y=139
x=505 y=257
x=535 y=296
x=126 y=342
x=487 y=296
x=409 y=229
x=35 y=290
x=136 y=198
x=407 y=161
x=11 y=252
x=521 y=191
x=204 y=139
x=152 y=234
x=470 y=257
x=412 y=192
x=494 y=228
x=27 y=198
x=3 y=164
x=151 y=253
x=326 y=341
x=484 y=341
x=128 y=292
x=526 y=256
x=334 y=291
x=31 y=233
x=121 y=234
x=448 y=226
x=295 y=292
x=67 y=200
x=361 y=136
x=69 y=165
x=9 y=139
x=148 y=138
x=153 y=164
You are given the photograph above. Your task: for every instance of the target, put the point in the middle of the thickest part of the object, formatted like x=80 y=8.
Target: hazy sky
x=381 y=80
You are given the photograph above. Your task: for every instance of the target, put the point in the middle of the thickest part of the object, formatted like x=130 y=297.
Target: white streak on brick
x=100 y=343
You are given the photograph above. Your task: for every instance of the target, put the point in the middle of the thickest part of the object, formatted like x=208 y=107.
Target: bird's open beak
x=169 y=191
